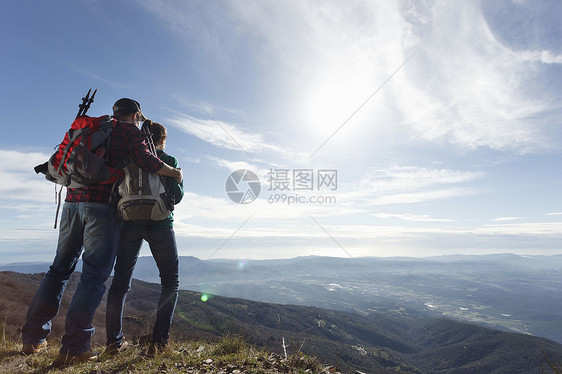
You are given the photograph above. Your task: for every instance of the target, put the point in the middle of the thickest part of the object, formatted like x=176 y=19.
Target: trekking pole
x=146 y=130
x=86 y=102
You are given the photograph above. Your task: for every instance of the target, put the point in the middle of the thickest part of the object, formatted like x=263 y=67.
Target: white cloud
x=222 y=134
x=545 y=57
x=408 y=184
x=553 y=229
x=19 y=180
x=531 y=228
x=502 y=219
x=309 y=229
x=468 y=88
x=412 y=217
x=423 y=196
x=406 y=177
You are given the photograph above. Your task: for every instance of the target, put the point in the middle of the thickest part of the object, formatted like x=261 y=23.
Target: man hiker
x=162 y=241
x=89 y=227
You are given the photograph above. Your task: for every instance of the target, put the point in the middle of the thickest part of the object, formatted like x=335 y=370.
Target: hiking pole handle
x=82 y=106
x=86 y=102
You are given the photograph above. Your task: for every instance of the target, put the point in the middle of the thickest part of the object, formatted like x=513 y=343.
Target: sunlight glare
x=330 y=103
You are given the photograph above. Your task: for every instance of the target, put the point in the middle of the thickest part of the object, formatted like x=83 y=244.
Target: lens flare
x=241 y=264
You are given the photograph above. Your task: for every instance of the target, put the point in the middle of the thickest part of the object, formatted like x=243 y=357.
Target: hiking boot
x=114 y=349
x=67 y=359
x=29 y=349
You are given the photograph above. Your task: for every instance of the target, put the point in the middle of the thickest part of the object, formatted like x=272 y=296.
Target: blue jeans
x=92 y=227
x=162 y=244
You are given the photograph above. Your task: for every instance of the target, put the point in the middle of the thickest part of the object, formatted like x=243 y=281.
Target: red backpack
x=80 y=159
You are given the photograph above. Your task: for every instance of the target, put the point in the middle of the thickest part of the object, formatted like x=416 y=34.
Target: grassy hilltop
x=229 y=355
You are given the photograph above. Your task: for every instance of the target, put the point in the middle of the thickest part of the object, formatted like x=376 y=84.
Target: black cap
x=127 y=106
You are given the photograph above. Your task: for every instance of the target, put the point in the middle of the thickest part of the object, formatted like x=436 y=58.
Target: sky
x=365 y=128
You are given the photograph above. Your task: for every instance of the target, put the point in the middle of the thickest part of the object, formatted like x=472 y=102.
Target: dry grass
x=229 y=355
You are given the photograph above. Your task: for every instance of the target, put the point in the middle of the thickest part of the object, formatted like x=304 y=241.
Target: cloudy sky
x=376 y=128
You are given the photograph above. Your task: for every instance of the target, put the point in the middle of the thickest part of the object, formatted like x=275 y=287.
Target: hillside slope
x=502 y=291
x=375 y=342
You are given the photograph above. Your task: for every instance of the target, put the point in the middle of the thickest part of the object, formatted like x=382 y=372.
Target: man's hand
x=179 y=175
x=168 y=171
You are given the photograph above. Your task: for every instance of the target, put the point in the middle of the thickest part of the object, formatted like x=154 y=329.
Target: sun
x=331 y=104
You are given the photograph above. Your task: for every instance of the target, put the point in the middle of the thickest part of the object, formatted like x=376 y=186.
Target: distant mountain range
x=503 y=291
x=396 y=340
